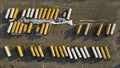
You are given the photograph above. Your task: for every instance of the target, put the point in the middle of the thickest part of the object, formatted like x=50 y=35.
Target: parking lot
x=108 y=10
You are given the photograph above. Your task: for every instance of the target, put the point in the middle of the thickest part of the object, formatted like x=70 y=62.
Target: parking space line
x=20 y=2
x=33 y=3
x=60 y=66
x=82 y=65
x=12 y=1
x=43 y=66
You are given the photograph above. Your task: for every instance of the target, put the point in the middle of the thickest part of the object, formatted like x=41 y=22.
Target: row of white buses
x=36 y=51
x=17 y=28
x=101 y=52
x=109 y=30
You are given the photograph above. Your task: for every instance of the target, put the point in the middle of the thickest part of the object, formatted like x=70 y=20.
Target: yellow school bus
x=16 y=13
x=40 y=51
x=57 y=52
x=107 y=52
x=44 y=13
x=30 y=28
x=42 y=28
x=21 y=27
x=37 y=29
x=40 y=13
x=56 y=13
x=52 y=51
x=19 y=48
x=17 y=27
x=61 y=51
x=103 y=52
x=108 y=29
x=25 y=27
x=65 y=51
x=79 y=29
x=14 y=26
x=99 y=30
x=36 y=51
x=87 y=29
x=32 y=51
x=52 y=13
x=46 y=28
x=48 y=13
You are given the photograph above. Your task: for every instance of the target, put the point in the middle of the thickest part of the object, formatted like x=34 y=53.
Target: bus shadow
x=2 y=54
x=5 y=35
x=2 y=17
x=117 y=66
x=92 y=33
x=71 y=33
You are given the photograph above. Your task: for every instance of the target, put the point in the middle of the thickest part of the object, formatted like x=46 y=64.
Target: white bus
x=69 y=53
x=86 y=52
x=24 y=13
x=69 y=13
x=113 y=29
x=32 y=13
x=74 y=54
x=98 y=51
x=78 y=52
x=7 y=49
x=10 y=27
x=28 y=12
x=83 y=53
x=36 y=13
x=12 y=12
x=65 y=51
x=7 y=13
x=94 y=52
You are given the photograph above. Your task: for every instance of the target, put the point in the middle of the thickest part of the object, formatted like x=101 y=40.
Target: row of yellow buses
x=36 y=51
x=18 y=27
x=58 y=51
x=41 y=13
x=87 y=28
x=109 y=30
x=42 y=29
